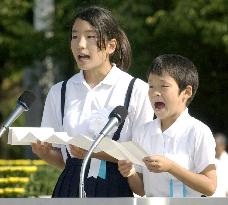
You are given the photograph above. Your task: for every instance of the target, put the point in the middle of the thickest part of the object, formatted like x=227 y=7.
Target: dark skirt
x=115 y=185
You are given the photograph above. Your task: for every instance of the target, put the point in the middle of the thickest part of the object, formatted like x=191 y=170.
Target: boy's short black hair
x=180 y=68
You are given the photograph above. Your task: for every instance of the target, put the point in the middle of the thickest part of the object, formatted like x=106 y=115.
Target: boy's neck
x=167 y=122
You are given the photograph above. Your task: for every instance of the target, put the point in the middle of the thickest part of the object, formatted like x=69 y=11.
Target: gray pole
x=40 y=77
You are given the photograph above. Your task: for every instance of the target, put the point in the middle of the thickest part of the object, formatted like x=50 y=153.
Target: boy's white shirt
x=188 y=142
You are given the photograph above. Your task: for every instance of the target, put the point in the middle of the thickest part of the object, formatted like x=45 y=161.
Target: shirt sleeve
x=204 y=154
x=52 y=112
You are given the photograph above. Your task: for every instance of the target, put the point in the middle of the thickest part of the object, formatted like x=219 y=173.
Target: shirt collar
x=112 y=76
x=110 y=79
x=172 y=130
x=78 y=77
x=155 y=127
x=178 y=125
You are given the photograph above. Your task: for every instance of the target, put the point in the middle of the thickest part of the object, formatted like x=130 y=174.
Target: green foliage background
x=196 y=29
x=39 y=178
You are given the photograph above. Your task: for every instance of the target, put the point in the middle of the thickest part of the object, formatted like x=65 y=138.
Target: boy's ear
x=111 y=46
x=187 y=92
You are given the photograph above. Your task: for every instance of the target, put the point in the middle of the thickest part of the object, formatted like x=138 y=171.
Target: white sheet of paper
x=59 y=138
x=83 y=142
x=123 y=151
x=135 y=149
x=28 y=135
x=111 y=147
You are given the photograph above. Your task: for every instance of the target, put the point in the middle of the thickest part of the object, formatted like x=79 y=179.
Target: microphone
x=116 y=117
x=23 y=104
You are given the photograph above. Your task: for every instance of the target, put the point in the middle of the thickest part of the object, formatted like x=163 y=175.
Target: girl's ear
x=111 y=46
x=187 y=92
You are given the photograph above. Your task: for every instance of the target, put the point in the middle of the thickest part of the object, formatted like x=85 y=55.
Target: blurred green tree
x=196 y=29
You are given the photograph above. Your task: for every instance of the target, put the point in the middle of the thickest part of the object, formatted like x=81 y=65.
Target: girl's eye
x=91 y=36
x=165 y=86
x=151 y=86
x=74 y=37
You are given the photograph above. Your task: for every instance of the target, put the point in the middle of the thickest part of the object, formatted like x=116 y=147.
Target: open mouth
x=83 y=57
x=159 y=105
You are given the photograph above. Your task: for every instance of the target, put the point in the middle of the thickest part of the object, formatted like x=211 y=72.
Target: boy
x=181 y=148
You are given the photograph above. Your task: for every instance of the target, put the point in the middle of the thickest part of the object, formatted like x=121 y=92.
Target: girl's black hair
x=107 y=28
x=180 y=68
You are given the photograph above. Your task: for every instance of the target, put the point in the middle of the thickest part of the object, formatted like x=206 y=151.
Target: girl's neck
x=95 y=76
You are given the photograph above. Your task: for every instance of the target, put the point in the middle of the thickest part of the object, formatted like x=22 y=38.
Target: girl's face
x=84 y=47
x=165 y=98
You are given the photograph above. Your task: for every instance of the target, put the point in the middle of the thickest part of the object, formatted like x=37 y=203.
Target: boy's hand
x=158 y=163
x=77 y=152
x=126 y=168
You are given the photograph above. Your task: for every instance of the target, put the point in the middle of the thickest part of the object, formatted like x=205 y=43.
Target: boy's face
x=165 y=98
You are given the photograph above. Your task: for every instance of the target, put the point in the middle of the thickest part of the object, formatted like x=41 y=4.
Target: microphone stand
x=20 y=108
x=82 y=193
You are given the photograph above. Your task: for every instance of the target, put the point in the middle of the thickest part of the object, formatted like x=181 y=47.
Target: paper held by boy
x=120 y=150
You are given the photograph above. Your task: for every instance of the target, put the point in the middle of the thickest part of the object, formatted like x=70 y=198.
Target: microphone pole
x=116 y=117
x=19 y=109
x=23 y=104
x=82 y=193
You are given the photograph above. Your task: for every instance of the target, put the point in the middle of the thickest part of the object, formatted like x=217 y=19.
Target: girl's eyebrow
x=87 y=31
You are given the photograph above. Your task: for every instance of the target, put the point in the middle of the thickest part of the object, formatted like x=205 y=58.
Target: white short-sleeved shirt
x=188 y=142
x=85 y=105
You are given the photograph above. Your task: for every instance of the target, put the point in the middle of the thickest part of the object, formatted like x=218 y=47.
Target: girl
x=82 y=105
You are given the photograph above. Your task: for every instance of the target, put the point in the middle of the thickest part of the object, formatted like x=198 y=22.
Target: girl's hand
x=77 y=152
x=126 y=168
x=41 y=149
x=158 y=163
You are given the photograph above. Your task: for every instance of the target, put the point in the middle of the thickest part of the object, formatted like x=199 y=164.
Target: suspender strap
x=63 y=93
x=128 y=94
x=116 y=135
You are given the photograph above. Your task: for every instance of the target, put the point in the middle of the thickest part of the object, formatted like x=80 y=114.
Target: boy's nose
x=156 y=93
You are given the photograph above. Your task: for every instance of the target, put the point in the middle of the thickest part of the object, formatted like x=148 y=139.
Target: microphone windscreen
x=120 y=112
x=26 y=99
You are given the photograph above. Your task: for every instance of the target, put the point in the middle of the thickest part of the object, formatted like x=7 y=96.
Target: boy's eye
x=151 y=86
x=165 y=86
x=74 y=37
